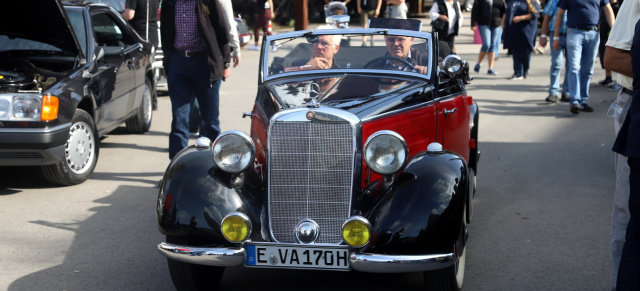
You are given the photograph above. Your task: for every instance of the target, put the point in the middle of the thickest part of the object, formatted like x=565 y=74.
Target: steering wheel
x=393 y=58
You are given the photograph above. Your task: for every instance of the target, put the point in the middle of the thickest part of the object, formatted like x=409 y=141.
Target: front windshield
x=348 y=52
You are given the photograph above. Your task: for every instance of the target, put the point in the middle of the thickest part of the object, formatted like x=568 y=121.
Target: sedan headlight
x=385 y=152
x=29 y=107
x=233 y=151
x=236 y=227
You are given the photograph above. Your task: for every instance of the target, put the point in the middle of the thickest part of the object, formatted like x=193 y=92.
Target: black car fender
x=422 y=211
x=195 y=196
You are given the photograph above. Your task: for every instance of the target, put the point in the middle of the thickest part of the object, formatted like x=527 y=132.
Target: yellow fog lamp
x=356 y=231
x=236 y=227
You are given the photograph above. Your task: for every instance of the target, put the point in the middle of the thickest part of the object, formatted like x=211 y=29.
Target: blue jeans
x=521 y=63
x=496 y=48
x=582 y=47
x=557 y=59
x=188 y=77
x=489 y=37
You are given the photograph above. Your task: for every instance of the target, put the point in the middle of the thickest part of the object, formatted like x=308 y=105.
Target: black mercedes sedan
x=69 y=74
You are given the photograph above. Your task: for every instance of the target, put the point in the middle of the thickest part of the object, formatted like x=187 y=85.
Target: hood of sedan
x=39 y=20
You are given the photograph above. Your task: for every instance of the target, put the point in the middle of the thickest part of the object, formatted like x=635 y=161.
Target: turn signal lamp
x=356 y=231
x=236 y=227
x=49 y=108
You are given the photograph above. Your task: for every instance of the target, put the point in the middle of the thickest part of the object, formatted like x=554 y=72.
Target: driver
x=401 y=47
x=323 y=51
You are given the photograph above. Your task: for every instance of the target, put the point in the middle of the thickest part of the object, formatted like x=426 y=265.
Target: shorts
x=364 y=18
x=397 y=11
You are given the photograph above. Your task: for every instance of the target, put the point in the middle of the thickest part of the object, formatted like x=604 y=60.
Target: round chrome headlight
x=453 y=65
x=236 y=227
x=233 y=151
x=385 y=152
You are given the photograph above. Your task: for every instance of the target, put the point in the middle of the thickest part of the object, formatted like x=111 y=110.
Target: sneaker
x=615 y=87
x=606 y=83
x=575 y=108
x=565 y=98
x=552 y=98
x=526 y=74
x=476 y=68
x=275 y=47
x=586 y=108
x=515 y=77
x=492 y=72
x=254 y=48
x=365 y=43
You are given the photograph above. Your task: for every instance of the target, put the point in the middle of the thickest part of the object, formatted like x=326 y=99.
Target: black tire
x=141 y=121
x=81 y=153
x=191 y=277
x=450 y=278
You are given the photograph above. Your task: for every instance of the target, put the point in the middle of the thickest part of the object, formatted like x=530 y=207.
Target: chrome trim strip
x=375 y=263
x=223 y=257
x=60 y=127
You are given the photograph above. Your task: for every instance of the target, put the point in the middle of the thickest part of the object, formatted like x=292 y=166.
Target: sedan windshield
x=348 y=52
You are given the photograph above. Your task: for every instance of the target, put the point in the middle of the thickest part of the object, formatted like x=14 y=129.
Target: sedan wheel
x=141 y=121
x=194 y=277
x=81 y=153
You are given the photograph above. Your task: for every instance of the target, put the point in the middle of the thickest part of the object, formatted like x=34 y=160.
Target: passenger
x=324 y=48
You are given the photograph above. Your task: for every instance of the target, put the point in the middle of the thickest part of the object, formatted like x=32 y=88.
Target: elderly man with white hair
x=324 y=48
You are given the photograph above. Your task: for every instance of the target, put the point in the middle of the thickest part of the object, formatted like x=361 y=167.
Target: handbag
x=438 y=25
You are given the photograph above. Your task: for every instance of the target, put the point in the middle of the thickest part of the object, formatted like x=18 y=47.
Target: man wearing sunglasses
x=400 y=47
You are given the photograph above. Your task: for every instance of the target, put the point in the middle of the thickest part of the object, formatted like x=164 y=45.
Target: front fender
x=195 y=195
x=423 y=209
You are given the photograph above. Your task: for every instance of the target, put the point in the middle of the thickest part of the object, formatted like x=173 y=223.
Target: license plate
x=297 y=257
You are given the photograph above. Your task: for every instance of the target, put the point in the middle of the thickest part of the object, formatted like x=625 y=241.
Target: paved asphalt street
x=542 y=210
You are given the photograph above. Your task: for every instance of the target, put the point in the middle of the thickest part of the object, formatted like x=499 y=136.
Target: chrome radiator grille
x=310 y=176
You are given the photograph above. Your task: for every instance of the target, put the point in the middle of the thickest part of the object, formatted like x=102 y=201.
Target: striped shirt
x=551 y=9
x=187 y=32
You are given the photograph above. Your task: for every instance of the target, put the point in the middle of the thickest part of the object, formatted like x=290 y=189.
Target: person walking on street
x=143 y=17
x=617 y=58
x=582 y=45
x=628 y=144
x=450 y=12
x=396 y=9
x=227 y=9
x=605 y=29
x=487 y=14
x=520 y=27
x=557 y=56
x=195 y=41
x=263 y=16
x=368 y=9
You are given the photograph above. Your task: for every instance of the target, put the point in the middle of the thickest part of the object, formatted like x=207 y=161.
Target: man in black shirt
x=143 y=17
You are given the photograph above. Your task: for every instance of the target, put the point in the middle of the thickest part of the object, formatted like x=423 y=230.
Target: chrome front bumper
x=371 y=263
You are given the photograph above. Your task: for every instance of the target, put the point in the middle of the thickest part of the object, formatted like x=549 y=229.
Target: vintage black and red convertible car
x=367 y=165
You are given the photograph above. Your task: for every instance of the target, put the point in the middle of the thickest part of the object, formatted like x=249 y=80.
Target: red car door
x=453 y=124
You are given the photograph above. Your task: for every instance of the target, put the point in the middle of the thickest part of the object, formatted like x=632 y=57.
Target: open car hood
x=39 y=20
